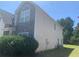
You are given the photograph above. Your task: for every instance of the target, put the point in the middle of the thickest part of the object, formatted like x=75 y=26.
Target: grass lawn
x=67 y=51
x=75 y=51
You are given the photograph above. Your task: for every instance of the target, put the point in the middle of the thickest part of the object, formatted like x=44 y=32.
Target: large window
x=24 y=16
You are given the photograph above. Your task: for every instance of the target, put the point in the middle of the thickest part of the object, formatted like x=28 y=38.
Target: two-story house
x=30 y=19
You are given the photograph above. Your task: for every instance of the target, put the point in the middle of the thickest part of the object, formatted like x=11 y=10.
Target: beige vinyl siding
x=45 y=32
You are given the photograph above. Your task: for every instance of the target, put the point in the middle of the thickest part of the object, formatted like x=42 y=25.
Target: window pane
x=24 y=16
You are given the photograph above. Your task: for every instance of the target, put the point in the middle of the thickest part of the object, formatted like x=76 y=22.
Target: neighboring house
x=31 y=20
x=6 y=23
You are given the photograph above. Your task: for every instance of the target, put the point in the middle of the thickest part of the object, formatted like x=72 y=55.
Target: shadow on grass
x=75 y=43
x=58 y=52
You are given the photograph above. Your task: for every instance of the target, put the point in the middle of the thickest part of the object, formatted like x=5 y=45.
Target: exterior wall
x=59 y=34
x=44 y=31
x=27 y=26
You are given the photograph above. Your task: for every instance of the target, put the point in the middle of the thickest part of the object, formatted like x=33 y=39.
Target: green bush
x=17 y=46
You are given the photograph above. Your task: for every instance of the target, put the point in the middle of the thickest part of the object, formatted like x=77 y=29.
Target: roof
x=1 y=10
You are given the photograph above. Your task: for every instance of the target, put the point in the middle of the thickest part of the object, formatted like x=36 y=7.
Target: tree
x=76 y=33
x=67 y=24
x=77 y=29
x=61 y=22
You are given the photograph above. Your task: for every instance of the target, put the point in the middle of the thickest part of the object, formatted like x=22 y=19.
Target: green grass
x=75 y=51
x=67 y=51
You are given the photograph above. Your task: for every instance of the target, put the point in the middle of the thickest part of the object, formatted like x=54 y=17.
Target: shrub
x=17 y=46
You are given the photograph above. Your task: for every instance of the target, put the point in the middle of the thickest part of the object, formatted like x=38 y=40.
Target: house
x=6 y=23
x=31 y=20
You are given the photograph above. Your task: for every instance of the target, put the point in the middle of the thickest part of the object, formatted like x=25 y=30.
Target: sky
x=55 y=9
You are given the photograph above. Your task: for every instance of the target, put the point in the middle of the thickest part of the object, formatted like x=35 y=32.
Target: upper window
x=24 y=16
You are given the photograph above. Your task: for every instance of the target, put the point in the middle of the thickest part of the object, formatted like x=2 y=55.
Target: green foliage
x=17 y=46
x=67 y=24
x=74 y=40
x=75 y=37
x=76 y=31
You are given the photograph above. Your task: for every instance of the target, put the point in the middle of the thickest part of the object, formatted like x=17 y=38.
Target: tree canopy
x=67 y=24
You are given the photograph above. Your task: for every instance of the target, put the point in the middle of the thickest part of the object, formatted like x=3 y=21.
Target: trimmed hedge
x=17 y=46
